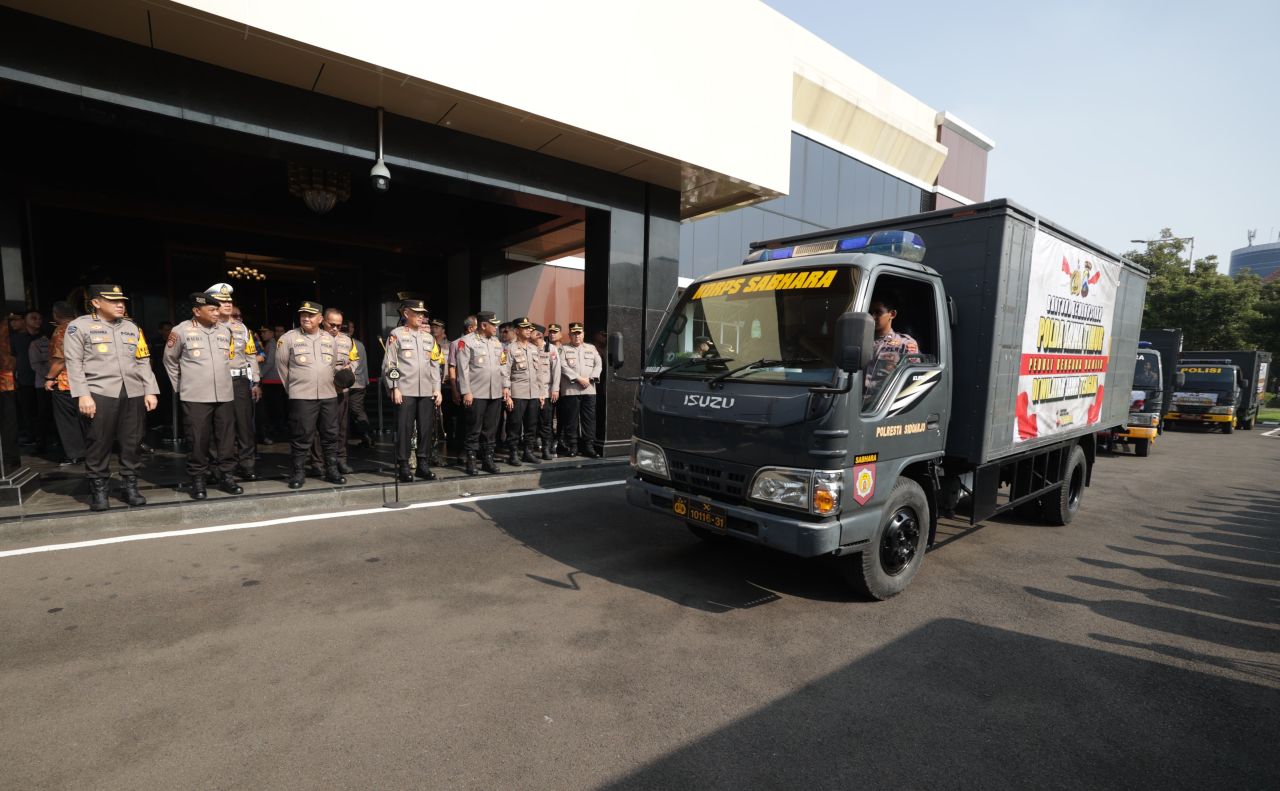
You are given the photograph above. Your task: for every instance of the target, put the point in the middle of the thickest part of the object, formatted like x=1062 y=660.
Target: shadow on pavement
x=958 y=705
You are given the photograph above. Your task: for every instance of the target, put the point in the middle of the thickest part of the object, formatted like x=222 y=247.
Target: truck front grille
x=714 y=478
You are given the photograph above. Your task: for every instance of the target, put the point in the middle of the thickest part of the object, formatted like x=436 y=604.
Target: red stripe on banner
x=1063 y=364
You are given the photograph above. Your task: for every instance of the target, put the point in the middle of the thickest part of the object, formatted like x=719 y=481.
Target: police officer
x=109 y=369
x=549 y=376
x=890 y=346
x=356 y=395
x=580 y=367
x=528 y=393
x=306 y=362
x=245 y=376
x=197 y=357
x=411 y=371
x=485 y=386
x=345 y=358
x=458 y=417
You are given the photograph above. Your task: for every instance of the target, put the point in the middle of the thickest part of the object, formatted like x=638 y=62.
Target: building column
x=632 y=258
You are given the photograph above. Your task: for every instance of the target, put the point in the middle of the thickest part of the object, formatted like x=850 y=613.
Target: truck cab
x=1148 y=400
x=1210 y=392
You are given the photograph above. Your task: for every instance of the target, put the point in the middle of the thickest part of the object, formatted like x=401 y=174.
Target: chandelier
x=319 y=188
x=245 y=273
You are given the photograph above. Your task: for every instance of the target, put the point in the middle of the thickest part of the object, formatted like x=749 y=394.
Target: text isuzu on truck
x=765 y=414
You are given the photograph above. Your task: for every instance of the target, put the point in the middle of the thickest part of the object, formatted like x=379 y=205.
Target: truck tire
x=1060 y=510
x=1229 y=428
x=1247 y=425
x=1142 y=447
x=891 y=560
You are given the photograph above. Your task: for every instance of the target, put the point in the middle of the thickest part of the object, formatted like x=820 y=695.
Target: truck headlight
x=1144 y=419
x=1222 y=410
x=782 y=487
x=648 y=458
x=827 y=487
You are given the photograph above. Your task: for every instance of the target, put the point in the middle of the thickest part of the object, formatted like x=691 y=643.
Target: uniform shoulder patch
x=72 y=329
x=173 y=340
x=461 y=344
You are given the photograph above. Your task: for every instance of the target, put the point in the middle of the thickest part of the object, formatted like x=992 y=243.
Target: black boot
x=343 y=468
x=299 y=475
x=248 y=475
x=546 y=452
x=471 y=464
x=489 y=465
x=228 y=484
x=198 y=491
x=569 y=450
x=402 y=472
x=589 y=450
x=331 y=472
x=98 y=494
x=528 y=456
x=315 y=471
x=129 y=491
x=424 y=472
x=511 y=457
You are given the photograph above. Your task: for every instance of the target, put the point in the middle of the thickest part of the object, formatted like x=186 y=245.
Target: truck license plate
x=699 y=512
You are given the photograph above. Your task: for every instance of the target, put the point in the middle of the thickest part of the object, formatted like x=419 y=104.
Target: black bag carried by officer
x=344 y=378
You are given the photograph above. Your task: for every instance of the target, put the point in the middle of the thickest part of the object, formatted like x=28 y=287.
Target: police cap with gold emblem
x=307 y=306
x=106 y=291
x=220 y=291
x=416 y=305
x=201 y=298
x=523 y=322
x=437 y=323
x=487 y=316
x=575 y=326
x=553 y=327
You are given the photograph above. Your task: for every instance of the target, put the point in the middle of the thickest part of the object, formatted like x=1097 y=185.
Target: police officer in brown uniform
x=245 y=376
x=306 y=362
x=580 y=367
x=485 y=386
x=197 y=357
x=527 y=368
x=109 y=368
x=411 y=371
x=345 y=358
x=549 y=370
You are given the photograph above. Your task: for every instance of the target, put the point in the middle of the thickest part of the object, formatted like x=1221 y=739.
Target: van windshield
x=1208 y=377
x=1146 y=373
x=783 y=321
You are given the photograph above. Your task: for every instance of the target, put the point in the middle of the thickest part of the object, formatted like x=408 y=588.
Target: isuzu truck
x=768 y=411
x=1222 y=389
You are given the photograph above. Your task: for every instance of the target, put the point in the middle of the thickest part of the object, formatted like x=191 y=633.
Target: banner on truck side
x=1070 y=305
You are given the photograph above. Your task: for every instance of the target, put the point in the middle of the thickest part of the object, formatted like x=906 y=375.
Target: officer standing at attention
x=344 y=360
x=411 y=371
x=549 y=377
x=197 y=358
x=306 y=362
x=485 y=385
x=528 y=393
x=356 y=395
x=109 y=369
x=580 y=368
x=245 y=376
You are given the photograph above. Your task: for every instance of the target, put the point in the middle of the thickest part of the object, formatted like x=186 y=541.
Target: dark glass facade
x=1261 y=259
x=828 y=190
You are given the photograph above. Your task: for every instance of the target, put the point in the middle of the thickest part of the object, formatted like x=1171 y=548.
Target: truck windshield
x=783 y=321
x=1200 y=377
x=1146 y=373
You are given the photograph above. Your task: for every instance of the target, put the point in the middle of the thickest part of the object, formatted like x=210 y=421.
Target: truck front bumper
x=793 y=535
x=1137 y=432
x=1190 y=418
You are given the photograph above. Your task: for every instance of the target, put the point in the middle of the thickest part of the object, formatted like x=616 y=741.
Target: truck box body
x=987 y=255
x=1255 y=367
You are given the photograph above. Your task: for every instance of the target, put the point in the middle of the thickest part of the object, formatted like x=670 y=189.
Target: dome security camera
x=379 y=176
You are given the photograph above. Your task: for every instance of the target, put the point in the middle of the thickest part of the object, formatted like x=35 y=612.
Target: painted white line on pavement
x=289 y=520
x=1275 y=432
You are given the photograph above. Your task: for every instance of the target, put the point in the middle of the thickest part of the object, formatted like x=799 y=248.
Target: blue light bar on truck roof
x=895 y=244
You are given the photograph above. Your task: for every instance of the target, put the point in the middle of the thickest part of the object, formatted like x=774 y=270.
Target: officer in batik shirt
x=890 y=347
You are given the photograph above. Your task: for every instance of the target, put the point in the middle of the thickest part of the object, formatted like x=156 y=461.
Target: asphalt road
x=563 y=640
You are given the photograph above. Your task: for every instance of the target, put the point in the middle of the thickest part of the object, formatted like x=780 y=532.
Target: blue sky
x=1115 y=119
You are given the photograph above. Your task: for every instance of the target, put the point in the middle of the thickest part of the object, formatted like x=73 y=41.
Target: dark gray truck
x=1221 y=388
x=766 y=413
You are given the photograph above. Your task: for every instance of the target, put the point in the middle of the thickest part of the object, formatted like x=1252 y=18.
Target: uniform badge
x=71 y=330
x=173 y=340
x=864 y=482
x=102 y=347
x=302 y=358
x=407 y=354
x=195 y=352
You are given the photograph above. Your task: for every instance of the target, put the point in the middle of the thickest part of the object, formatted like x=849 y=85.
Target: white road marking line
x=1275 y=432
x=288 y=520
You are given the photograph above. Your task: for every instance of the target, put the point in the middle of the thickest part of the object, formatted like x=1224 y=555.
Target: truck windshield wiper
x=657 y=377
x=763 y=362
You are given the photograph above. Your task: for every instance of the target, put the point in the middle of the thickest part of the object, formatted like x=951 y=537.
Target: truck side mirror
x=855 y=341
x=615 y=350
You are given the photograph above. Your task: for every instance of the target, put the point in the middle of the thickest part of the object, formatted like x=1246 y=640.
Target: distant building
x=1261 y=259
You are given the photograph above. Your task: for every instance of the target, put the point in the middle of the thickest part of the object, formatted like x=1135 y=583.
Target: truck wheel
x=888 y=564
x=1229 y=428
x=1142 y=447
x=708 y=536
x=1247 y=425
x=1061 y=509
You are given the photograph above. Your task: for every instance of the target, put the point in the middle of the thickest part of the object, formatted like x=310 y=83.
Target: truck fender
x=1089 y=443
x=925 y=473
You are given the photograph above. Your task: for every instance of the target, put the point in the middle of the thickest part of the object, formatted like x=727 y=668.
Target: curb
x=181 y=515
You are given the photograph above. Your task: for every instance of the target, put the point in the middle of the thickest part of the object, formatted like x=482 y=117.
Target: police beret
x=488 y=316
x=106 y=291
x=307 y=306
x=575 y=326
x=220 y=291
x=522 y=322
x=416 y=305
x=201 y=298
x=553 y=328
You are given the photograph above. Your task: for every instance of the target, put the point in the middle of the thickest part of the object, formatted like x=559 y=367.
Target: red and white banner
x=1066 y=339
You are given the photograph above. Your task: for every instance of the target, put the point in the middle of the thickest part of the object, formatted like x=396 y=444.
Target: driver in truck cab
x=890 y=347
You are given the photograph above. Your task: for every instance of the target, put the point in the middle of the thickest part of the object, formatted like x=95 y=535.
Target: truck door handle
x=931 y=422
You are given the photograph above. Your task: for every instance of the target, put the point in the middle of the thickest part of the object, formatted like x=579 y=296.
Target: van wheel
x=1142 y=447
x=890 y=562
x=1060 y=510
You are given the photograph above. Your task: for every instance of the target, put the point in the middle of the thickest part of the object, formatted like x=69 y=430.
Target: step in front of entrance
x=266 y=500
